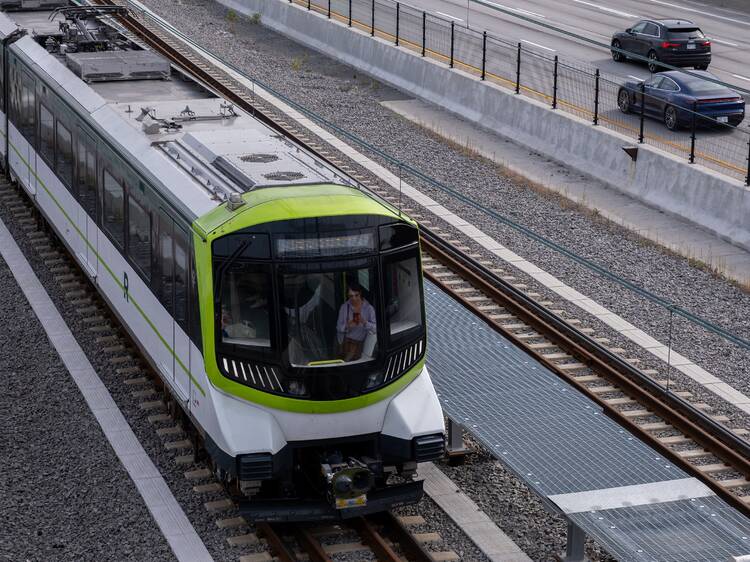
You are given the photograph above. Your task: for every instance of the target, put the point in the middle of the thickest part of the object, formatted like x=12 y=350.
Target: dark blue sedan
x=672 y=97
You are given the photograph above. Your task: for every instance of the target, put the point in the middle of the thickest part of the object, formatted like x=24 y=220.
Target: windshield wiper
x=224 y=266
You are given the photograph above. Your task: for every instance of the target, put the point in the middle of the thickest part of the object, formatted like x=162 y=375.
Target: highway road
x=597 y=19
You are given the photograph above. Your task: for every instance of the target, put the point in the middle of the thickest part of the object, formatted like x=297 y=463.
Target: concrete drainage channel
x=172 y=442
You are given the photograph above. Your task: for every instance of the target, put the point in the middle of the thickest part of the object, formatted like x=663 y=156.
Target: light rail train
x=281 y=305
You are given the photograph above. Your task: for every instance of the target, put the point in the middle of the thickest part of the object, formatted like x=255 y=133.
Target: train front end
x=315 y=341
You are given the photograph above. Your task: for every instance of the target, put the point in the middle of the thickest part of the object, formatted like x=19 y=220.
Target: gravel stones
x=63 y=493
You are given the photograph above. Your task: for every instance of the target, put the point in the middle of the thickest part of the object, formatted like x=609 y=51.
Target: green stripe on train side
x=271 y=205
x=106 y=267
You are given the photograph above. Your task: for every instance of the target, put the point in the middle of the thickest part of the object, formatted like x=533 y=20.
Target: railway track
x=384 y=535
x=388 y=537
x=666 y=418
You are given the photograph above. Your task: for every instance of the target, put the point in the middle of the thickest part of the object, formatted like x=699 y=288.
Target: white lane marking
x=180 y=534
x=722 y=42
x=741 y=22
x=509 y=8
x=609 y=10
x=537 y=45
x=741 y=77
x=448 y=16
x=635 y=78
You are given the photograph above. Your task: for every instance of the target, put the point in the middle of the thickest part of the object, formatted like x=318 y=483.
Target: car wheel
x=653 y=61
x=670 y=118
x=616 y=55
x=623 y=101
x=701 y=67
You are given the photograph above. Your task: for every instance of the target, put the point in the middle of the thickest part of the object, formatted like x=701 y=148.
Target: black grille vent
x=284 y=176
x=259 y=158
x=259 y=376
x=258 y=466
x=429 y=447
x=400 y=362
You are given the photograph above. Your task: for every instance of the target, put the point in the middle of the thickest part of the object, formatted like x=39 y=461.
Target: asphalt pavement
x=728 y=29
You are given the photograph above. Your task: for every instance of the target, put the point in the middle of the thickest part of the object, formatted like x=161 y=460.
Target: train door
x=86 y=193
x=181 y=328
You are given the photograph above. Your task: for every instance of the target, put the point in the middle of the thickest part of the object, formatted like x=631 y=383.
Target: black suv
x=675 y=42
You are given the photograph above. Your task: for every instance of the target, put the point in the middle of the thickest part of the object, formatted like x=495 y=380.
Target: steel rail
x=692 y=422
x=311 y=545
x=696 y=425
x=201 y=74
x=276 y=544
x=412 y=549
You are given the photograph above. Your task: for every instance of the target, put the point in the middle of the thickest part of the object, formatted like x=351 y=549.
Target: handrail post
x=747 y=180
x=554 y=84
x=350 y=13
x=309 y=4
x=643 y=112
x=518 y=70
x=484 y=54
x=424 y=33
x=372 y=20
x=453 y=30
x=398 y=19
x=329 y=9
x=596 y=97
x=692 y=135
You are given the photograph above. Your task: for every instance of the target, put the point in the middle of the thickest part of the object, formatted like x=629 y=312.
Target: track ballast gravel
x=64 y=494
x=350 y=100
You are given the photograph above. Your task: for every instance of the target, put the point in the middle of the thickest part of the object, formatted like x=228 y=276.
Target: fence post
x=554 y=84
x=692 y=135
x=747 y=180
x=424 y=33
x=329 y=9
x=484 y=54
x=518 y=70
x=350 y=13
x=596 y=97
x=372 y=30
x=453 y=29
x=398 y=19
x=308 y=4
x=643 y=109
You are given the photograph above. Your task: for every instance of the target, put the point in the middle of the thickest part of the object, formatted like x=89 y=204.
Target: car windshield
x=331 y=316
x=684 y=34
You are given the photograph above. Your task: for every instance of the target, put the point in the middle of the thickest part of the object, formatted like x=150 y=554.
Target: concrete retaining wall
x=664 y=181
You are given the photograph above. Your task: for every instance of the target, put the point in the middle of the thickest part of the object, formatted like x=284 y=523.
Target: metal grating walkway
x=585 y=466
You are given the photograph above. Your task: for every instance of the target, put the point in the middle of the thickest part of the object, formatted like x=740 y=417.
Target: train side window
x=14 y=92
x=64 y=155
x=46 y=134
x=139 y=235
x=28 y=109
x=86 y=173
x=114 y=208
x=195 y=309
x=180 y=277
x=165 y=258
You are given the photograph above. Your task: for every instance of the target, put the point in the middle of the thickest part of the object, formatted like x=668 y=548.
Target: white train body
x=140 y=178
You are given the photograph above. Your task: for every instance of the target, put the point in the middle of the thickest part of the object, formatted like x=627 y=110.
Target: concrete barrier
x=698 y=194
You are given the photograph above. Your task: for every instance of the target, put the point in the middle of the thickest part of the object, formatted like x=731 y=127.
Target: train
x=281 y=304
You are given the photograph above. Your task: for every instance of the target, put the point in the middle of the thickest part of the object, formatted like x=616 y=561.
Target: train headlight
x=297 y=388
x=373 y=380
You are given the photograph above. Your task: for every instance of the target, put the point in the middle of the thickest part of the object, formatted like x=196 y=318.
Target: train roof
x=197 y=148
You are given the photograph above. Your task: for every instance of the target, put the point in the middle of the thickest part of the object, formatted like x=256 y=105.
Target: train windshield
x=330 y=315
x=245 y=314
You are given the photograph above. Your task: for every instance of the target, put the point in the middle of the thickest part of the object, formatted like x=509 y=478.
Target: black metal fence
x=566 y=85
